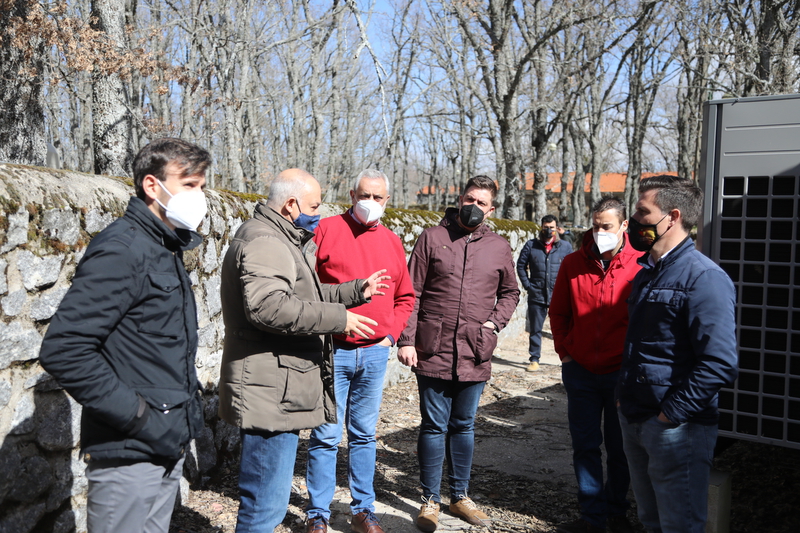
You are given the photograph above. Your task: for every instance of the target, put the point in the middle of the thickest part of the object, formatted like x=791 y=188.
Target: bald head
x=291 y=183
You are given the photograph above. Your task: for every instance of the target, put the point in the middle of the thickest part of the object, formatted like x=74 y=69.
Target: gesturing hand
x=374 y=283
x=357 y=325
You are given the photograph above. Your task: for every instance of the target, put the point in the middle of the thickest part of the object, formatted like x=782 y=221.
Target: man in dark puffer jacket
x=537 y=268
x=123 y=344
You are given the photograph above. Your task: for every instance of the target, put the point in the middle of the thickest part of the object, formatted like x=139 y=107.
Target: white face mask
x=186 y=209
x=606 y=241
x=368 y=211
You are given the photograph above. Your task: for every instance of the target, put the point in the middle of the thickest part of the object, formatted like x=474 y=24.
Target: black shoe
x=578 y=526
x=619 y=524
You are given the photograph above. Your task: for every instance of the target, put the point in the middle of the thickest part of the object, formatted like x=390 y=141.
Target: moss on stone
x=246 y=196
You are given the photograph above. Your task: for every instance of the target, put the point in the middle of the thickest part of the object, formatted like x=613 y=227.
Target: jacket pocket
x=166 y=431
x=301 y=381
x=444 y=260
x=162 y=305
x=429 y=333
x=484 y=347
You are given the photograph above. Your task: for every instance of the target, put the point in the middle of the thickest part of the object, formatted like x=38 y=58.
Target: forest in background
x=430 y=91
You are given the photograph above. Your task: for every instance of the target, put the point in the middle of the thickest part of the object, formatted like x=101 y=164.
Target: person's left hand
x=663 y=418
x=374 y=283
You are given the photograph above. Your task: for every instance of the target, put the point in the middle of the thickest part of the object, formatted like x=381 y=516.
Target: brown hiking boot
x=466 y=509
x=428 y=518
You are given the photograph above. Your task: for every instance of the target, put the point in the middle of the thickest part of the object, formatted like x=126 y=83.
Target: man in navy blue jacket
x=123 y=344
x=680 y=349
x=537 y=268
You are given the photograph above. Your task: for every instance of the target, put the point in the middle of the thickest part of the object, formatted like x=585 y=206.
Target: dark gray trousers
x=131 y=497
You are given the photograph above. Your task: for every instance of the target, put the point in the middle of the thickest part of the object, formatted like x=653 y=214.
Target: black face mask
x=470 y=215
x=643 y=236
x=546 y=234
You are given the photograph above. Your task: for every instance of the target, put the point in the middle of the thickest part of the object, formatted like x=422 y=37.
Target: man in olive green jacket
x=276 y=376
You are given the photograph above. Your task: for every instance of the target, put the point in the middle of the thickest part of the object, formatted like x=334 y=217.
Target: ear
x=353 y=196
x=674 y=216
x=288 y=206
x=151 y=187
x=624 y=225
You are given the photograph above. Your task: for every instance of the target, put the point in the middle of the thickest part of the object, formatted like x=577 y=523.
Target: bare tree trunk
x=110 y=115
x=579 y=181
x=22 y=131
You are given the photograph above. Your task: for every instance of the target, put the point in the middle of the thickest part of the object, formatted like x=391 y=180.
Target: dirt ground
x=522 y=473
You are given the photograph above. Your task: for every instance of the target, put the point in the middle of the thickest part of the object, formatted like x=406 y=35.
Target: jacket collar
x=686 y=245
x=298 y=236
x=449 y=222
x=180 y=239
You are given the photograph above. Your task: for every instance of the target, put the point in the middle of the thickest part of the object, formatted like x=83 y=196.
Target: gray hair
x=288 y=184
x=372 y=173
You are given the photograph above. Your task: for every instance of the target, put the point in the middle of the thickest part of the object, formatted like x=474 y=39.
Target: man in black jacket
x=537 y=269
x=123 y=344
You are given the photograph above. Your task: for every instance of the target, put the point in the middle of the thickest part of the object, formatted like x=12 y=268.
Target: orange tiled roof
x=610 y=182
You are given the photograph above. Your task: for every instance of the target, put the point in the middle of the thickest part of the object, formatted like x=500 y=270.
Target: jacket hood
x=180 y=239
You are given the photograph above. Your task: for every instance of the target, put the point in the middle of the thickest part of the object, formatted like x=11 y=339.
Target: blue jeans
x=358 y=378
x=670 y=466
x=590 y=402
x=448 y=421
x=265 y=479
x=536 y=315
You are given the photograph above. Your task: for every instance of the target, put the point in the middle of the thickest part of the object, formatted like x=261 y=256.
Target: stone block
x=19 y=343
x=45 y=306
x=34 y=477
x=213 y=298
x=10 y=461
x=17 y=230
x=3 y=277
x=13 y=303
x=207 y=336
x=719 y=502
x=38 y=272
x=97 y=221
x=22 y=421
x=22 y=519
x=210 y=259
x=42 y=382
x=62 y=224
x=205 y=450
x=5 y=393
x=57 y=421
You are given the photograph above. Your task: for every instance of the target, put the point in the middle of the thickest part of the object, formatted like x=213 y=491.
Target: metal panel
x=750 y=173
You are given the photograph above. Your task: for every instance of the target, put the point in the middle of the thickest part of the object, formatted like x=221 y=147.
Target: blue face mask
x=307 y=222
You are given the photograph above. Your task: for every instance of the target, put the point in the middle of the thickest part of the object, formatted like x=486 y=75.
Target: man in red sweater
x=347 y=244
x=589 y=318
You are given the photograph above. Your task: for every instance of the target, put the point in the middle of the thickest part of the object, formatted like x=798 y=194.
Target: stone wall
x=47 y=217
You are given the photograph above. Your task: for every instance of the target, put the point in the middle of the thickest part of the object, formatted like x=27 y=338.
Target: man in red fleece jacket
x=589 y=318
x=350 y=243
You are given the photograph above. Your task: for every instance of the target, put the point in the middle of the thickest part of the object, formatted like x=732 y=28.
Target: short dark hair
x=673 y=192
x=549 y=218
x=607 y=203
x=154 y=158
x=481 y=182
